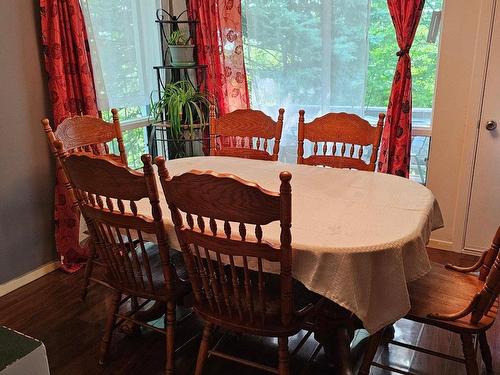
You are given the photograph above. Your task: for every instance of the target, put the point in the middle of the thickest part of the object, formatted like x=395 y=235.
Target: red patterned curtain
x=71 y=87
x=220 y=46
x=396 y=139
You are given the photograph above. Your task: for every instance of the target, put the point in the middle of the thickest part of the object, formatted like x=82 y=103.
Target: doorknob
x=491 y=125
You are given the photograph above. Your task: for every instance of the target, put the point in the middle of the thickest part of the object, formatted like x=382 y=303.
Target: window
x=332 y=56
x=382 y=61
x=418 y=158
x=134 y=138
x=124 y=43
x=424 y=53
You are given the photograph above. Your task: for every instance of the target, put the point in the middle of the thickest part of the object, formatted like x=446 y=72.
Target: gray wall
x=26 y=167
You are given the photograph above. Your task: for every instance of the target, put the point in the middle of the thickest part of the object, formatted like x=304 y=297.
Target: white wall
x=464 y=41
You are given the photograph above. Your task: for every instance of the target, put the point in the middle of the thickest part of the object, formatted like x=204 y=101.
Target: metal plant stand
x=161 y=140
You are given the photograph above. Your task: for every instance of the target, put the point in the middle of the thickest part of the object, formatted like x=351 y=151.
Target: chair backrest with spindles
x=490 y=256
x=343 y=137
x=107 y=193
x=88 y=134
x=213 y=215
x=254 y=130
x=491 y=289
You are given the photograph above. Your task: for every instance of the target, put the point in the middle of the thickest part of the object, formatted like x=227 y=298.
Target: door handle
x=491 y=125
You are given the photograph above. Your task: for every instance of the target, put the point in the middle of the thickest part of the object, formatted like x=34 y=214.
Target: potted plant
x=186 y=112
x=181 y=51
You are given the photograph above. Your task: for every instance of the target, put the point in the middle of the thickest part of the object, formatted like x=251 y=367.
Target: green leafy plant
x=177 y=38
x=185 y=108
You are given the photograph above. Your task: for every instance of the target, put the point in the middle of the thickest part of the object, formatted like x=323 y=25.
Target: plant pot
x=182 y=55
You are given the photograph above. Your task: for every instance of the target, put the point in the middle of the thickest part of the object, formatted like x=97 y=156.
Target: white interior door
x=484 y=207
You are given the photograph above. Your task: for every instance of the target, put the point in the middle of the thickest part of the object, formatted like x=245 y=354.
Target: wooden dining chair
x=254 y=129
x=213 y=215
x=82 y=133
x=89 y=135
x=107 y=193
x=344 y=140
x=452 y=299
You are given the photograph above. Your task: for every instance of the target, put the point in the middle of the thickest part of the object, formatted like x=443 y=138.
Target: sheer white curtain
x=305 y=54
x=125 y=45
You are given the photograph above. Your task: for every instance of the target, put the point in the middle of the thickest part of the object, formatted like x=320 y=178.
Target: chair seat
x=245 y=153
x=154 y=259
x=272 y=325
x=445 y=291
x=176 y=260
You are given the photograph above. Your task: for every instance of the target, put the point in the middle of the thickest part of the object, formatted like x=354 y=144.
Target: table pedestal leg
x=334 y=330
x=388 y=334
x=337 y=349
x=156 y=311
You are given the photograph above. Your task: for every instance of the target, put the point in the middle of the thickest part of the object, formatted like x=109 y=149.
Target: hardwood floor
x=49 y=309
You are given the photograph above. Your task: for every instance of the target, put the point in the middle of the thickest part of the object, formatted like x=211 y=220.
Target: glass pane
x=332 y=56
x=135 y=141
x=419 y=158
x=309 y=55
x=312 y=54
x=126 y=114
x=382 y=61
x=124 y=42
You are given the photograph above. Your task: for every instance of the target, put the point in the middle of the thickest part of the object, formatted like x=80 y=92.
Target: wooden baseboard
x=440 y=245
x=473 y=252
x=27 y=278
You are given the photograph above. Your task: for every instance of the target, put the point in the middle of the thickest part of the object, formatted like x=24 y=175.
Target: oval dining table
x=358 y=239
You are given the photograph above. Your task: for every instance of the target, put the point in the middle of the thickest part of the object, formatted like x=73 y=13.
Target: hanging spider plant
x=184 y=106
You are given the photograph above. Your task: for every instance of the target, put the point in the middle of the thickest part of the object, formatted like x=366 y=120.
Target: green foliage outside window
x=134 y=139
x=290 y=47
x=382 y=57
x=277 y=55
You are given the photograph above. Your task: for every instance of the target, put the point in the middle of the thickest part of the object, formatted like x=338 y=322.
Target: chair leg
x=88 y=271
x=203 y=352
x=468 y=348
x=170 y=344
x=134 y=303
x=485 y=352
x=109 y=327
x=371 y=350
x=284 y=365
x=388 y=334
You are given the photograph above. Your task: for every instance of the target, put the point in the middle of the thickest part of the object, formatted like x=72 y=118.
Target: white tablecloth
x=358 y=237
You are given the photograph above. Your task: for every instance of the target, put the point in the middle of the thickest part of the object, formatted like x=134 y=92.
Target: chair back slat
x=103 y=188
x=88 y=134
x=95 y=176
x=347 y=136
x=490 y=257
x=124 y=220
x=253 y=130
x=223 y=197
x=487 y=296
x=484 y=300
x=227 y=265
x=254 y=249
x=81 y=132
